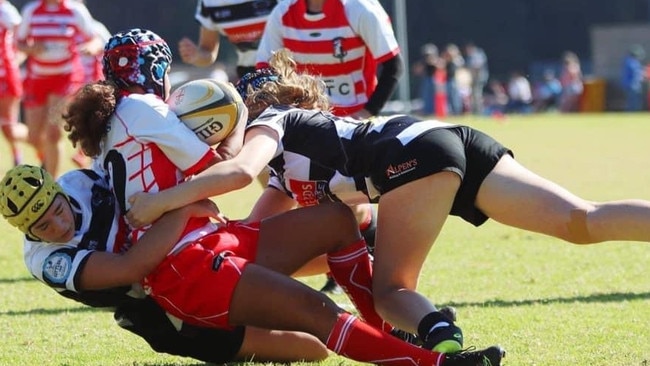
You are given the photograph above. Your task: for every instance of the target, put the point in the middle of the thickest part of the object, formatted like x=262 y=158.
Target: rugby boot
x=439 y=333
x=490 y=356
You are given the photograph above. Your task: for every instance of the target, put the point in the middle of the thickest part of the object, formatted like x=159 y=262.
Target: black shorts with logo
x=461 y=149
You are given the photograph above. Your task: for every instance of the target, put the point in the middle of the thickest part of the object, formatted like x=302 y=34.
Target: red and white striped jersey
x=343 y=44
x=147 y=149
x=241 y=21
x=59 y=28
x=9 y=20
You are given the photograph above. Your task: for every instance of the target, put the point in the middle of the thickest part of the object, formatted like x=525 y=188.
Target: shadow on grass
x=174 y=364
x=212 y=364
x=16 y=280
x=593 y=298
x=42 y=311
x=242 y=363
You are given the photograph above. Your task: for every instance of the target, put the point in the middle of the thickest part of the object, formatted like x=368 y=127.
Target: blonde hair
x=294 y=89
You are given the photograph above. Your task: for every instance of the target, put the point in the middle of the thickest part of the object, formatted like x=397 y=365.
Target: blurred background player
x=49 y=36
x=345 y=42
x=91 y=51
x=241 y=22
x=423 y=69
x=11 y=89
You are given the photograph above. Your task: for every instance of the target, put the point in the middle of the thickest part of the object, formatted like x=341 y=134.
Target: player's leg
x=35 y=119
x=12 y=130
x=366 y=215
x=263 y=345
x=515 y=196
x=270 y=300
x=146 y=319
x=406 y=230
x=306 y=233
x=303 y=234
x=54 y=143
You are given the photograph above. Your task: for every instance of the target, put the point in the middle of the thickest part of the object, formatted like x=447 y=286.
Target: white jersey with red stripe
x=58 y=27
x=9 y=19
x=147 y=149
x=99 y=228
x=241 y=21
x=343 y=44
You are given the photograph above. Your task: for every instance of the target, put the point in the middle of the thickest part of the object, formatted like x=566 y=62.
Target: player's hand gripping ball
x=208 y=107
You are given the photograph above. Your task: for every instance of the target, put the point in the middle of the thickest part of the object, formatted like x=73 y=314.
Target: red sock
x=366 y=222
x=352 y=270
x=358 y=341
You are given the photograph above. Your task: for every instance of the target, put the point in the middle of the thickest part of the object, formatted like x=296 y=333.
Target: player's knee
x=578 y=228
x=344 y=216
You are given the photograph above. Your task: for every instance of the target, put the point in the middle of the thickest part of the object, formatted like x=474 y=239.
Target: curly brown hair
x=87 y=115
x=294 y=89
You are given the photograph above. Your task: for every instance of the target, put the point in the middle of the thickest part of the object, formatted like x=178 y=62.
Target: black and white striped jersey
x=322 y=157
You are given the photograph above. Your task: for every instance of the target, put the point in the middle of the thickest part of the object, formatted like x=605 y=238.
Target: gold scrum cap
x=26 y=192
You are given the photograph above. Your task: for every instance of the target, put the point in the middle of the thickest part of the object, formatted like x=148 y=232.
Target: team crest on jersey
x=337 y=48
x=57 y=268
x=309 y=192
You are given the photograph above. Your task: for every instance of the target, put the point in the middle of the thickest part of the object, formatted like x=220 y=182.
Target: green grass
x=548 y=302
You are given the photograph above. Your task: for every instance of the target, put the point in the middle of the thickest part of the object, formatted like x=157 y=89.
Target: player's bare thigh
x=515 y=196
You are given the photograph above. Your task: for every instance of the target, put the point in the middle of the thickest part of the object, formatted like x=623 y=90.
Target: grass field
x=547 y=302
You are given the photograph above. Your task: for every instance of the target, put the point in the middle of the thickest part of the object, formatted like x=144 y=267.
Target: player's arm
x=106 y=270
x=205 y=52
x=391 y=70
x=260 y=145
x=271 y=39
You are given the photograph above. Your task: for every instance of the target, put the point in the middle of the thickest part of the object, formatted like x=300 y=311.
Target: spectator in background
x=495 y=99
x=464 y=85
x=49 y=35
x=632 y=76
x=572 y=83
x=242 y=22
x=453 y=61
x=477 y=63
x=423 y=69
x=11 y=89
x=520 y=95
x=547 y=93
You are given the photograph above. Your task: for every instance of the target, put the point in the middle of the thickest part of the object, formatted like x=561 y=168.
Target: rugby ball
x=209 y=107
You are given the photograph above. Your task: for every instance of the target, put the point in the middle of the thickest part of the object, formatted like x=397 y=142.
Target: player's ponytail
x=87 y=115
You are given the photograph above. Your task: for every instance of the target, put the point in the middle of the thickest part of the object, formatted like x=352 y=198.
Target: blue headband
x=255 y=79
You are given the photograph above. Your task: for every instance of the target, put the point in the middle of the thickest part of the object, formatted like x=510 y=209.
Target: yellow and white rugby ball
x=209 y=107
